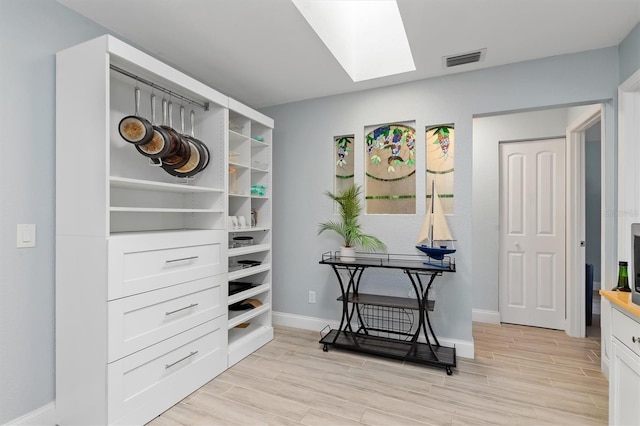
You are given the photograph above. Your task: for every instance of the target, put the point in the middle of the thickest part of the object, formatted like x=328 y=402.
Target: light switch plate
x=26 y=235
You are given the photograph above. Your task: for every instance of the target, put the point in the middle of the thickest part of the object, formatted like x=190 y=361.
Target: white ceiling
x=263 y=53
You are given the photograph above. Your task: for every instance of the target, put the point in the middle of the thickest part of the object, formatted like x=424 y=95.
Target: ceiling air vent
x=464 y=58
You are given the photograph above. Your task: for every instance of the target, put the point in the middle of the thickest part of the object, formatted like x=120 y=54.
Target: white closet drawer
x=139 y=321
x=148 y=382
x=147 y=262
x=626 y=330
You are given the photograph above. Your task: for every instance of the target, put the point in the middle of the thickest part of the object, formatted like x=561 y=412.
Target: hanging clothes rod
x=204 y=106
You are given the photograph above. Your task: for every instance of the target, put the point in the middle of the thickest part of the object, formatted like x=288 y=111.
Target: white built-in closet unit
x=142 y=257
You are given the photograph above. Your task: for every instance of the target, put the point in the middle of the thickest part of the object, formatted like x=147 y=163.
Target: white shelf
x=258 y=144
x=235 y=137
x=255 y=169
x=238 y=317
x=160 y=210
x=238 y=195
x=147 y=185
x=153 y=234
x=257 y=248
x=254 y=229
x=239 y=166
x=238 y=337
x=258 y=289
x=247 y=272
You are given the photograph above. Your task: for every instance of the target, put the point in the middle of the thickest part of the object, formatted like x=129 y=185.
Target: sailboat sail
x=434 y=227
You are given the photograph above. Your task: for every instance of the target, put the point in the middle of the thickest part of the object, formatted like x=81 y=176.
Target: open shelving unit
x=249 y=162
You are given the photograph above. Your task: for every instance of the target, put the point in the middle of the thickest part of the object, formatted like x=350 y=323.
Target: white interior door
x=532 y=233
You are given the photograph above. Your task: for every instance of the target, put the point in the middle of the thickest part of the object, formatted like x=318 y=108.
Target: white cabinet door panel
x=146 y=383
x=150 y=262
x=624 y=385
x=627 y=331
x=142 y=320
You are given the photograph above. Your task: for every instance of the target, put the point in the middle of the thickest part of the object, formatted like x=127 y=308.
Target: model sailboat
x=435 y=230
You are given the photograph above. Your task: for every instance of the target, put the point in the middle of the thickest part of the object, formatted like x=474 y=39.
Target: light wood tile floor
x=520 y=376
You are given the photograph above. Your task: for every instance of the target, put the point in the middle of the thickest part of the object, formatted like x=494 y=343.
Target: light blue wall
x=629 y=52
x=303 y=170
x=30 y=34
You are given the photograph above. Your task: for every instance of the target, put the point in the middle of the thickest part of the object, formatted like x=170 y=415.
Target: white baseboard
x=480 y=315
x=464 y=348
x=43 y=416
x=303 y=322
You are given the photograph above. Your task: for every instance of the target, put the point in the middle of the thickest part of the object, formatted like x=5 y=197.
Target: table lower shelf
x=386 y=301
x=390 y=348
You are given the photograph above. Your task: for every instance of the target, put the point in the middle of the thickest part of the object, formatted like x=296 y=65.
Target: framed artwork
x=440 y=155
x=390 y=168
x=343 y=160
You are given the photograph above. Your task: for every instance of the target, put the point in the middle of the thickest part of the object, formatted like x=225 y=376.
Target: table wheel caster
x=449 y=372
x=325 y=348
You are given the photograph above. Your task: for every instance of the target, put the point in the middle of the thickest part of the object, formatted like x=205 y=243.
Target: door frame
x=575 y=216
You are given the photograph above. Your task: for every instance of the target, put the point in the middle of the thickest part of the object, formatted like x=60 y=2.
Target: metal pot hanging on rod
x=160 y=144
x=133 y=128
x=181 y=155
x=207 y=154
x=196 y=154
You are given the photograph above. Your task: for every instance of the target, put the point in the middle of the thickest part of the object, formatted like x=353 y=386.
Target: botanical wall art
x=440 y=148
x=390 y=168
x=343 y=160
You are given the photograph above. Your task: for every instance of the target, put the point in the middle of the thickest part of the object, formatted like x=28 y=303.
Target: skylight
x=367 y=37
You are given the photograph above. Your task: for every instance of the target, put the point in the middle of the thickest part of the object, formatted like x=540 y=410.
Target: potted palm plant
x=348 y=227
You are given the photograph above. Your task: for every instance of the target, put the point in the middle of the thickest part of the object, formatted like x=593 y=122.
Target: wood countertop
x=623 y=300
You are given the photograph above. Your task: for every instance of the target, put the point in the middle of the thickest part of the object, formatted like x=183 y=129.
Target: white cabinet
x=624 y=370
x=250 y=199
x=141 y=255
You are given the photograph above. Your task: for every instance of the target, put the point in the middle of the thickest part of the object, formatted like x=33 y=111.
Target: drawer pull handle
x=635 y=339
x=183 y=259
x=167 y=366
x=193 y=305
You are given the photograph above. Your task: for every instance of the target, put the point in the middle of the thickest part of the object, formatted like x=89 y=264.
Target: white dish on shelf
x=232 y=222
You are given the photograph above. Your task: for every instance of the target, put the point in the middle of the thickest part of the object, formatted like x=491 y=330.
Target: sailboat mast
x=433 y=183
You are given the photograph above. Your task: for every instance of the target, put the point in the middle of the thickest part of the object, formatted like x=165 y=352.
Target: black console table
x=404 y=344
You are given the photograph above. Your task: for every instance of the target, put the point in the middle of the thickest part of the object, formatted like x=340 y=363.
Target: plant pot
x=348 y=254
